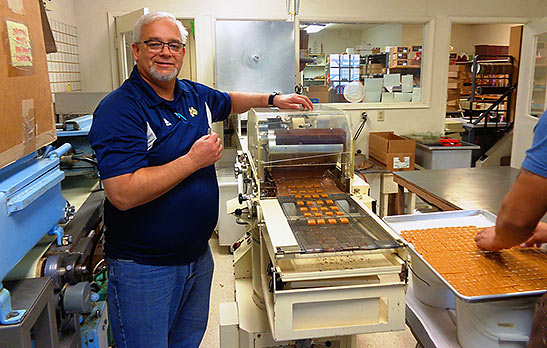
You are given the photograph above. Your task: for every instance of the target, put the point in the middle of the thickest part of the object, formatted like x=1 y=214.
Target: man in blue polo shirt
x=156 y=159
x=518 y=220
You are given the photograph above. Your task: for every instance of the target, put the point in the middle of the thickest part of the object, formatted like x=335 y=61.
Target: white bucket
x=500 y=324
x=436 y=294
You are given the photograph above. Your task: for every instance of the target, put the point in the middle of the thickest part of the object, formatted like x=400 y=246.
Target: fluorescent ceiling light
x=315 y=28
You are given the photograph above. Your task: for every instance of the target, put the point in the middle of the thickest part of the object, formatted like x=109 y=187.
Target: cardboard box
x=454 y=83
x=456 y=67
x=318 y=94
x=26 y=110
x=399 y=55
x=399 y=49
x=393 y=151
x=398 y=62
x=304 y=39
x=372 y=69
x=453 y=94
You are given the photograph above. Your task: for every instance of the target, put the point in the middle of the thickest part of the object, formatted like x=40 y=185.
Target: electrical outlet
x=381 y=116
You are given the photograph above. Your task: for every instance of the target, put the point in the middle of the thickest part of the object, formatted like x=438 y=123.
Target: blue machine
x=75 y=132
x=31 y=206
x=95 y=326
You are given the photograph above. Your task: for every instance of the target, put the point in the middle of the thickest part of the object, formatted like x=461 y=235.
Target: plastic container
x=434 y=293
x=499 y=324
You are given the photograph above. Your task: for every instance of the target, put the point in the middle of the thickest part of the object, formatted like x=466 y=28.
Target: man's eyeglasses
x=156 y=46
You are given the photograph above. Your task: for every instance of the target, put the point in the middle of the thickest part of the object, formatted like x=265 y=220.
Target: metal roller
x=494 y=68
x=491 y=90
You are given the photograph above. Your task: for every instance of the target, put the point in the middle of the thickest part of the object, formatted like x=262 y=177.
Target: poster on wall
x=19 y=44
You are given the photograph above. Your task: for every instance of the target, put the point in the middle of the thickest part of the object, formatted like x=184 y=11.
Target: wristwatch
x=271 y=98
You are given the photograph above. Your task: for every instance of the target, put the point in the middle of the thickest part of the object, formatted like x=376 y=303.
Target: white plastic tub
x=500 y=324
x=434 y=293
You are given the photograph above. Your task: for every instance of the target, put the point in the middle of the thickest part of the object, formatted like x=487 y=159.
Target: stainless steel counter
x=460 y=188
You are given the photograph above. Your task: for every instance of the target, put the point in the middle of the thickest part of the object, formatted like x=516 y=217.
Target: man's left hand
x=486 y=239
x=292 y=101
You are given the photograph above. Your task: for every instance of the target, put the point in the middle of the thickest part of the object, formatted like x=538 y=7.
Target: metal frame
x=36 y=294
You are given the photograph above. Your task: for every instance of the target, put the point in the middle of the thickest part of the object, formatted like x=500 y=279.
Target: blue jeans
x=159 y=306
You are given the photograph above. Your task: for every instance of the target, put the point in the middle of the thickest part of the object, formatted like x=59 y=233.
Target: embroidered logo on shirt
x=167 y=123
x=150 y=137
x=193 y=112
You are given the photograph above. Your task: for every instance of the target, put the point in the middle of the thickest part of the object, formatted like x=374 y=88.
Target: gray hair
x=152 y=17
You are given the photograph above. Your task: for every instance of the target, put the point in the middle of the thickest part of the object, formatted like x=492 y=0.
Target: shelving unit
x=379 y=58
x=314 y=70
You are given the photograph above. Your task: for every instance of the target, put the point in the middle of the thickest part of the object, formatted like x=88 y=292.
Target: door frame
x=524 y=122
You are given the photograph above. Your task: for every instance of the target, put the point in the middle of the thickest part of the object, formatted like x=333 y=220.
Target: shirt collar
x=152 y=98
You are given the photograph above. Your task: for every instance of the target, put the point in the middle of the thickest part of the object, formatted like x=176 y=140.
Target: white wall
x=464 y=37
x=413 y=35
x=91 y=18
x=336 y=41
x=383 y=35
x=62 y=11
x=462 y=40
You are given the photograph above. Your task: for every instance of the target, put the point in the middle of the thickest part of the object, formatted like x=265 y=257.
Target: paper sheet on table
x=391 y=80
x=416 y=94
x=373 y=90
x=408 y=83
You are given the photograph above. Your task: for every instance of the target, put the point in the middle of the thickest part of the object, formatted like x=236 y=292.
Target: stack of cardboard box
x=398 y=56
x=455 y=84
x=404 y=56
x=318 y=94
x=393 y=151
x=372 y=68
x=26 y=110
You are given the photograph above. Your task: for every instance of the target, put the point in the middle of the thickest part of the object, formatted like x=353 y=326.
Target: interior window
x=356 y=62
x=539 y=92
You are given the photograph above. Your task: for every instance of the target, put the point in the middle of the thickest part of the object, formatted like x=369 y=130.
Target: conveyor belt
x=345 y=228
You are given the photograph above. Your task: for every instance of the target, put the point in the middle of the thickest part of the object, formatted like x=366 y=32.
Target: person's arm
x=521 y=210
x=146 y=184
x=242 y=101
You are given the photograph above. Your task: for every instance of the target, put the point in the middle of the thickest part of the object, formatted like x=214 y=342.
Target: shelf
x=404 y=67
x=315 y=65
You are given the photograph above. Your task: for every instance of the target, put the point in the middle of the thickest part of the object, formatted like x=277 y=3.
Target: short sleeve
x=219 y=102
x=118 y=136
x=536 y=157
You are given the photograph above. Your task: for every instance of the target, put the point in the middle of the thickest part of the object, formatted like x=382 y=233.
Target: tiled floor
x=223 y=291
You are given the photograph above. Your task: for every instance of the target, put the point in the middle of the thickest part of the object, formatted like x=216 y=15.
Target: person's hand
x=486 y=239
x=539 y=236
x=292 y=101
x=206 y=150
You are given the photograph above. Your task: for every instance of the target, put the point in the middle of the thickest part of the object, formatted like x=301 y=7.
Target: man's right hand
x=206 y=150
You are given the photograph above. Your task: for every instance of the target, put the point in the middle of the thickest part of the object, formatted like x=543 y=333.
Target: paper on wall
x=391 y=80
x=387 y=97
x=402 y=97
x=373 y=90
x=408 y=83
x=19 y=43
x=416 y=94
